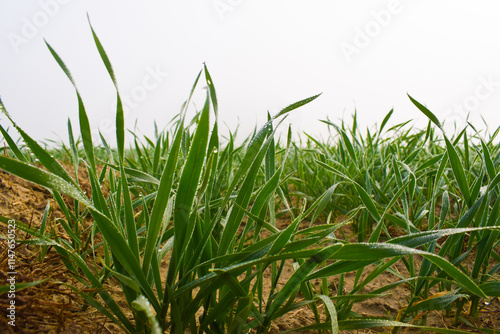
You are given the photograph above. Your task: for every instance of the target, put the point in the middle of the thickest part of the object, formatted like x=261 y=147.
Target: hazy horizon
x=364 y=56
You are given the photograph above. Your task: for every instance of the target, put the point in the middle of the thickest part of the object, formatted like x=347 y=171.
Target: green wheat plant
x=207 y=210
x=414 y=181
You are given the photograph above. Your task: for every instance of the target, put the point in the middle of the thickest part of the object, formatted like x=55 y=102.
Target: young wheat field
x=392 y=229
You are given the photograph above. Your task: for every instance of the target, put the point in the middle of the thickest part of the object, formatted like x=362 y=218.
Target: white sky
x=262 y=55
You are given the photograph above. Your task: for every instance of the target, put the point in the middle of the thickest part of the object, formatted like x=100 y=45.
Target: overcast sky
x=262 y=55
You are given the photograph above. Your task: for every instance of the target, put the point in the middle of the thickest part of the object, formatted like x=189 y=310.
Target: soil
x=53 y=307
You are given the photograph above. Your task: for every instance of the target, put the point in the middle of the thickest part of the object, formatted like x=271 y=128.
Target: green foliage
x=208 y=210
